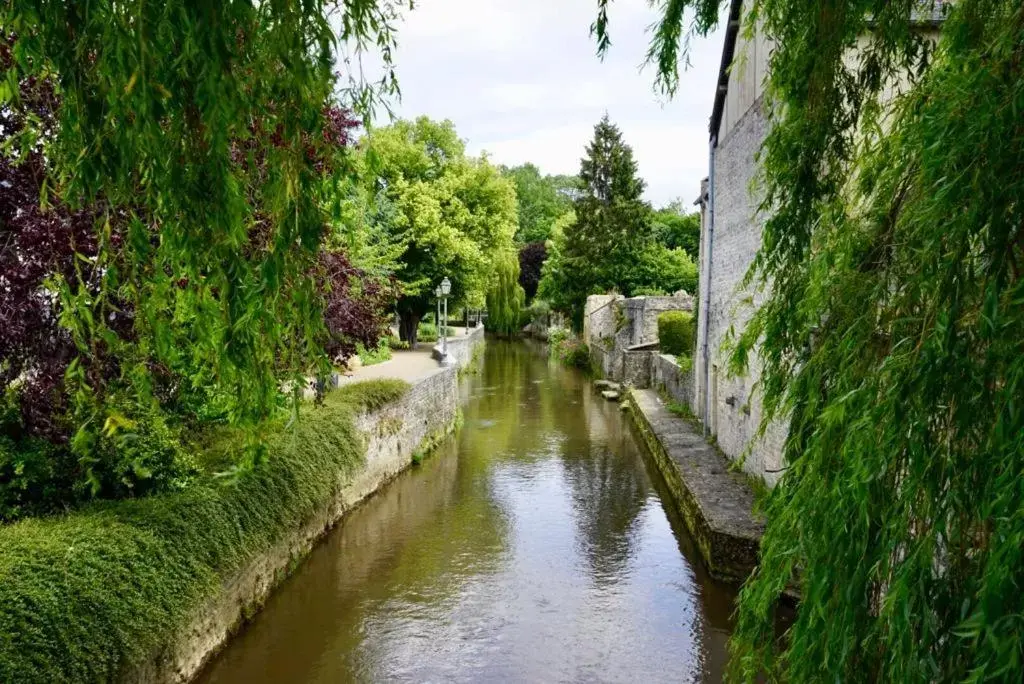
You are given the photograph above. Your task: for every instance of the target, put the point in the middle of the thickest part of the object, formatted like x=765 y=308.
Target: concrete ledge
x=716 y=503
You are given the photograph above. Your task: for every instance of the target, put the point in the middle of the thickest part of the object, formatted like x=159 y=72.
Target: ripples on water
x=532 y=547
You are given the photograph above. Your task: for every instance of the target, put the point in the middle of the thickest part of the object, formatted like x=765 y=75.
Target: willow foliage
x=205 y=130
x=892 y=339
x=506 y=298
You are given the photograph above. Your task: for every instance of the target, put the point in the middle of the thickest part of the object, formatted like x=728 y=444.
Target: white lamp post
x=446 y=288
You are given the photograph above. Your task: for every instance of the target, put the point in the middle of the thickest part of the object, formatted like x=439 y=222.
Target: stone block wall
x=636 y=368
x=668 y=377
x=599 y=320
x=643 y=312
x=461 y=347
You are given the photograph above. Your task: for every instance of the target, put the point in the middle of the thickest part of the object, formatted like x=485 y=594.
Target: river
x=536 y=545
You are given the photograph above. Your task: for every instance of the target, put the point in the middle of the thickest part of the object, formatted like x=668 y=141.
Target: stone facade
x=731 y=407
x=393 y=434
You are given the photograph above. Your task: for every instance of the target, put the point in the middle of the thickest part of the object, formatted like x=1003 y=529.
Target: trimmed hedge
x=675 y=333
x=85 y=596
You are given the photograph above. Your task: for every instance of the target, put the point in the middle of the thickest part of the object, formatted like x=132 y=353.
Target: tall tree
x=454 y=216
x=531 y=260
x=506 y=298
x=610 y=243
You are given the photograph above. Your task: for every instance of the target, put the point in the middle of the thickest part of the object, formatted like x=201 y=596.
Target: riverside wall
x=393 y=435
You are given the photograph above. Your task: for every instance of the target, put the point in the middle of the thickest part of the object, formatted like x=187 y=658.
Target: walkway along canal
x=532 y=546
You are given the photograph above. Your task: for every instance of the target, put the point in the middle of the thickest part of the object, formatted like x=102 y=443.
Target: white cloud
x=522 y=81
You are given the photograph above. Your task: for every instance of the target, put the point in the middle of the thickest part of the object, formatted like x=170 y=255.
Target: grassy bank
x=85 y=595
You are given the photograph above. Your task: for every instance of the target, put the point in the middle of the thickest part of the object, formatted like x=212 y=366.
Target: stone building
x=730 y=407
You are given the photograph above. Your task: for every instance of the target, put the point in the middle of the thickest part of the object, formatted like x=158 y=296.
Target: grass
x=680 y=409
x=87 y=595
x=370 y=357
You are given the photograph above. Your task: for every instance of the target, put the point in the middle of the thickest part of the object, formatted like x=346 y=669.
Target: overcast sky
x=520 y=79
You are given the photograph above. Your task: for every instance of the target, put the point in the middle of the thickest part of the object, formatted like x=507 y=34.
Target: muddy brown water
x=537 y=545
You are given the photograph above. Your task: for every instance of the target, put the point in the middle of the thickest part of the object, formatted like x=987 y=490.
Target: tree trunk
x=408 y=326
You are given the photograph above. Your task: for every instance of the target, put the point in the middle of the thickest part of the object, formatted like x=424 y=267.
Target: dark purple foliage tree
x=356 y=305
x=531 y=258
x=36 y=244
x=42 y=241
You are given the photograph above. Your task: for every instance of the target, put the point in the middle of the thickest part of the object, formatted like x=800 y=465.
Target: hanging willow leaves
x=210 y=127
x=505 y=298
x=892 y=338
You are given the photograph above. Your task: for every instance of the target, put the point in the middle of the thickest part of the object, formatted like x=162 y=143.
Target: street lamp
x=437 y=293
x=446 y=288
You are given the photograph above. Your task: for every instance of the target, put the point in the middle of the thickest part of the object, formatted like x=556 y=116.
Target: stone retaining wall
x=393 y=434
x=716 y=503
x=668 y=377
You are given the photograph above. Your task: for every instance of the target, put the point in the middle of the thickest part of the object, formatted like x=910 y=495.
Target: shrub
x=137 y=452
x=427 y=332
x=556 y=336
x=540 y=312
x=675 y=332
x=378 y=354
x=86 y=596
x=569 y=350
x=576 y=354
x=395 y=343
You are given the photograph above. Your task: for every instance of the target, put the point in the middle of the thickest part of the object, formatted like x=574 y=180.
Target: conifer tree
x=612 y=221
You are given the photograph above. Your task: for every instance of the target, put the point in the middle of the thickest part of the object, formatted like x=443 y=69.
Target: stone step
x=716 y=503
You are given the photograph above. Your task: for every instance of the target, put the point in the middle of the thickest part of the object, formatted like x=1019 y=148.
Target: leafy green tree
x=677 y=229
x=453 y=216
x=505 y=299
x=541 y=200
x=658 y=270
x=201 y=135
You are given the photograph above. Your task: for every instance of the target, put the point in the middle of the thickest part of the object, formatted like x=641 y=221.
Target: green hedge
x=86 y=595
x=675 y=333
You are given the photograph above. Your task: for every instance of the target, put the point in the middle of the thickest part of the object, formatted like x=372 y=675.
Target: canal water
x=537 y=545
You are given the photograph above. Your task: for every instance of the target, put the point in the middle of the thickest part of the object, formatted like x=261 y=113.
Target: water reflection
x=534 y=547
